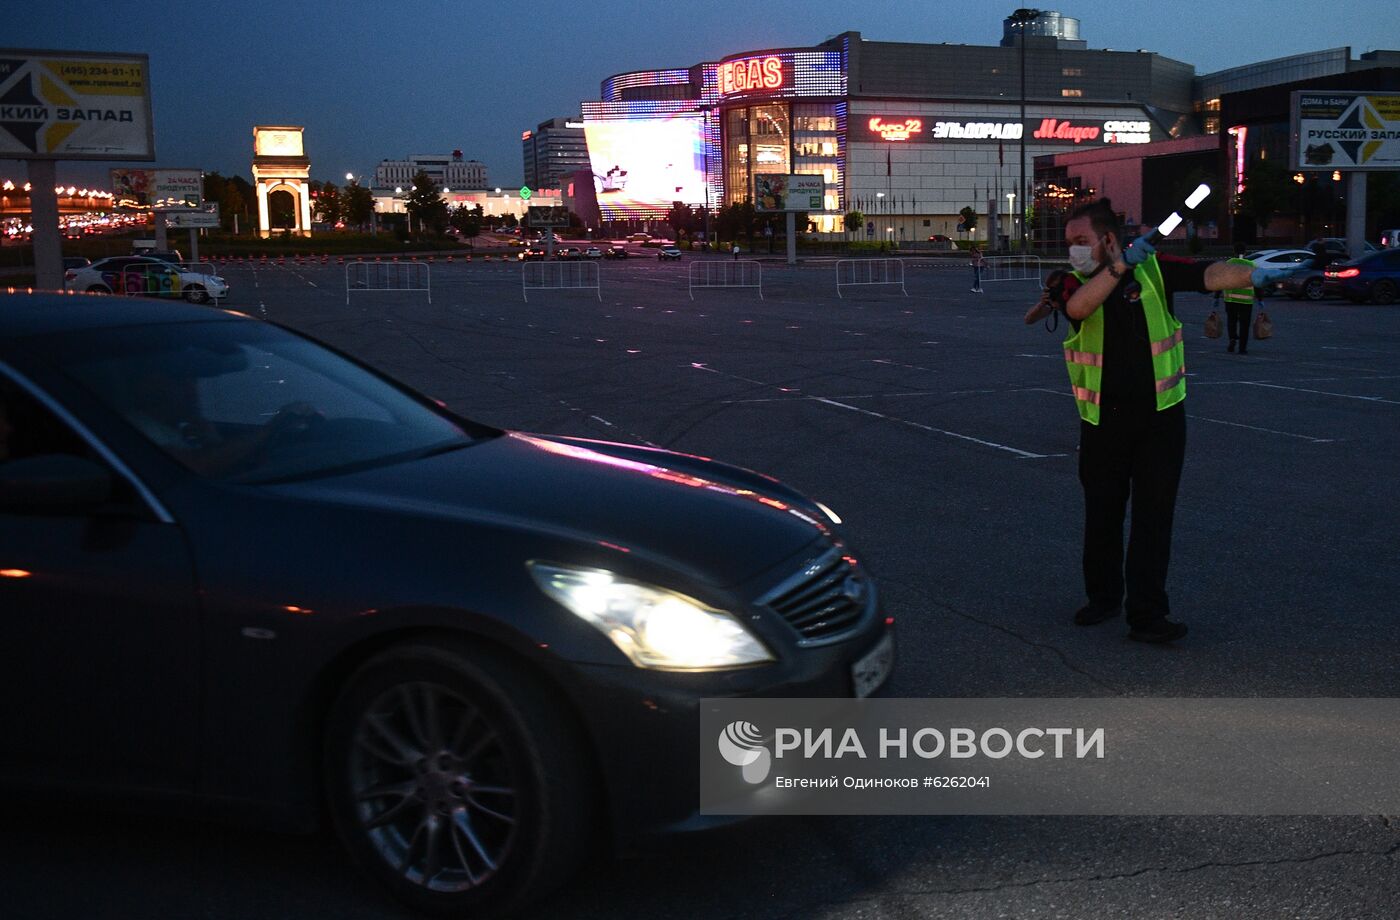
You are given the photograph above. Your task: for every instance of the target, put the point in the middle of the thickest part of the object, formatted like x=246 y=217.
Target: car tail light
x=1345 y=273
x=70 y=274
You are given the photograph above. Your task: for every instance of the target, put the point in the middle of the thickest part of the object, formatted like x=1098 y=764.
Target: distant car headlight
x=652 y=626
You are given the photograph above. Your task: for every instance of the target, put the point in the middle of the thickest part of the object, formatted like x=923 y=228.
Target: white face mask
x=1081 y=259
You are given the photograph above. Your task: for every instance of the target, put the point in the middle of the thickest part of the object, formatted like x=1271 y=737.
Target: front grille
x=828 y=597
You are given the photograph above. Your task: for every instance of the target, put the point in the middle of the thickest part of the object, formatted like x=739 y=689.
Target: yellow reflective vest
x=1084 y=355
x=1240 y=295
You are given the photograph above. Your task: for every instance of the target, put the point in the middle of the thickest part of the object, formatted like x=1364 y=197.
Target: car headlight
x=830 y=515
x=652 y=626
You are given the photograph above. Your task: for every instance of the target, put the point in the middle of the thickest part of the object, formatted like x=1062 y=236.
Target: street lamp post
x=1022 y=18
x=1011 y=215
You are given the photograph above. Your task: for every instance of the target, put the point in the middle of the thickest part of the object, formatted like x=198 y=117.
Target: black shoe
x=1089 y=615
x=1158 y=631
x=1231 y=346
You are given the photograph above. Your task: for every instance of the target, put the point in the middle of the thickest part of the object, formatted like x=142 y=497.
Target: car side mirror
x=53 y=483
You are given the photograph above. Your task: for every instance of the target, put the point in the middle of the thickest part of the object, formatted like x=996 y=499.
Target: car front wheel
x=454 y=778
x=1383 y=291
x=1312 y=290
x=195 y=293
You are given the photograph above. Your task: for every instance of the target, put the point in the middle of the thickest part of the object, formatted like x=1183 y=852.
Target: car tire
x=99 y=289
x=448 y=749
x=1383 y=291
x=195 y=293
x=1312 y=289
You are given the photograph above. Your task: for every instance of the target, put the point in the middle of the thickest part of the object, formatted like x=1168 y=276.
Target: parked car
x=246 y=570
x=940 y=241
x=668 y=252
x=1338 y=246
x=1375 y=277
x=532 y=254
x=173 y=256
x=615 y=252
x=145 y=276
x=593 y=252
x=1279 y=258
x=75 y=262
x=1390 y=239
x=566 y=252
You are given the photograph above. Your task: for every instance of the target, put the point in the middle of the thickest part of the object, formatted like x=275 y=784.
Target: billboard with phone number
x=75 y=105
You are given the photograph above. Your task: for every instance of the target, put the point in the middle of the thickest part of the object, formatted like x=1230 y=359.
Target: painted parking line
x=1219 y=421
x=1286 y=434
x=1023 y=454
x=1277 y=386
x=836 y=403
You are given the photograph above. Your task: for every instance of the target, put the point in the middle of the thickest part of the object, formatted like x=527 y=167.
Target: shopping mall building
x=907 y=133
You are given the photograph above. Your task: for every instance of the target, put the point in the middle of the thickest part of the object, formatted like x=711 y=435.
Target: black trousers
x=1237 y=322
x=1135 y=456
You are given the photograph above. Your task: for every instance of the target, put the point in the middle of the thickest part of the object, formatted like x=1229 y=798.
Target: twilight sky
x=374 y=80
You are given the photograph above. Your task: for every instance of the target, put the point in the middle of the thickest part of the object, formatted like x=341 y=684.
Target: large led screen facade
x=642 y=164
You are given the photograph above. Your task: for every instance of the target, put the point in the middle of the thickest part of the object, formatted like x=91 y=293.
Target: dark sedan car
x=240 y=569
x=1375 y=277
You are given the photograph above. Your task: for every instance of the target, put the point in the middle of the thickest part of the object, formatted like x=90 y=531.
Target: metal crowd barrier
x=1011 y=268
x=869 y=272
x=366 y=277
x=726 y=273
x=559 y=276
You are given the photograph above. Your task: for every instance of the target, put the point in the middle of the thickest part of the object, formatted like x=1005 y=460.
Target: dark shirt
x=1129 y=382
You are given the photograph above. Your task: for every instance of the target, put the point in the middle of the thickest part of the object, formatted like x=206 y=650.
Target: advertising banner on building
x=929 y=129
x=773 y=193
x=1345 y=131
x=75 y=105
x=645 y=163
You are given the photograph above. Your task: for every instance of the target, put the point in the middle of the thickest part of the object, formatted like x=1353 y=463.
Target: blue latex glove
x=1263 y=277
x=1138 y=251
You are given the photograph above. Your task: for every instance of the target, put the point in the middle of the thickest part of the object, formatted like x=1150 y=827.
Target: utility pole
x=1023 y=17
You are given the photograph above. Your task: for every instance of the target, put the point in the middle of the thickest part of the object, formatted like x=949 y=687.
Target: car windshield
x=242 y=401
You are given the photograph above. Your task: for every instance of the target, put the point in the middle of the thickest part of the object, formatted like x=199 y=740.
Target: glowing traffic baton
x=1166 y=227
x=1133 y=290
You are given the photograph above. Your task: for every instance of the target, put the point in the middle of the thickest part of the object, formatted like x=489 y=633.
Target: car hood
x=718 y=521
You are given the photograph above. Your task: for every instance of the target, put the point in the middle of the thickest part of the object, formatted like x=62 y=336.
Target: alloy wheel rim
x=433 y=787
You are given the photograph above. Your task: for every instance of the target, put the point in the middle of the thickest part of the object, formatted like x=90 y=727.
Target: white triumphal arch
x=280 y=164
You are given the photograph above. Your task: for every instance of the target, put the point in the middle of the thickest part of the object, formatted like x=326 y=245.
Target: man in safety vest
x=1127 y=369
x=1239 y=305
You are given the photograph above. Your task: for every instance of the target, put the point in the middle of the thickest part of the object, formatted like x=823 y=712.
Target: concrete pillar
x=264 y=223
x=47 y=241
x=1356 y=213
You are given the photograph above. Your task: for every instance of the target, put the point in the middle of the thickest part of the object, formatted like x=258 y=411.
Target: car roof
x=40 y=314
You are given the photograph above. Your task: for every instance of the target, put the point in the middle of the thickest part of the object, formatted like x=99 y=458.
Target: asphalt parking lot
x=941 y=428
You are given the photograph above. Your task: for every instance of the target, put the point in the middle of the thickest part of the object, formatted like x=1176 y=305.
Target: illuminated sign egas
x=750 y=74
x=896 y=130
